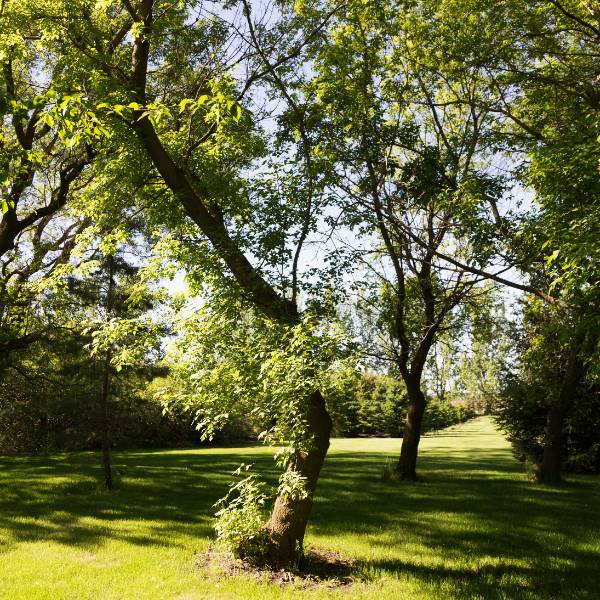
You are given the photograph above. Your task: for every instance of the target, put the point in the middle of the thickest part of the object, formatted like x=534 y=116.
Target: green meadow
x=474 y=527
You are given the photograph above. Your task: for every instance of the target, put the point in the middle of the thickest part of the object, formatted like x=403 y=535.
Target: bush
x=240 y=518
x=440 y=414
x=522 y=413
x=36 y=416
x=376 y=404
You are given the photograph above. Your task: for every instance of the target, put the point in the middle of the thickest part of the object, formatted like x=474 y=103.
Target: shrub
x=376 y=404
x=521 y=413
x=240 y=518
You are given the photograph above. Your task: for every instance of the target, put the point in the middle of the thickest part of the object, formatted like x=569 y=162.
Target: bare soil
x=318 y=569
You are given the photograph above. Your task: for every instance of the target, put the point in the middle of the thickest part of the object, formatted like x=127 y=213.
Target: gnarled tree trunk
x=407 y=463
x=289 y=518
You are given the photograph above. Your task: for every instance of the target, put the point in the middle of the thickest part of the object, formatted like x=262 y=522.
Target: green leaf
x=183 y=104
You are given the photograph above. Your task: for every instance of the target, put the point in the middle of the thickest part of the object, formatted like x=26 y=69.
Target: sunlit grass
x=475 y=527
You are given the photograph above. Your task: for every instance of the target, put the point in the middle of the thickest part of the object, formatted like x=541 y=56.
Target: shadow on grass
x=483 y=529
x=163 y=495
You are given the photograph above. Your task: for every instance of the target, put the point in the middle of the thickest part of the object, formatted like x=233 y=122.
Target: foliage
x=373 y=404
x=231 y=361
x=49 y=401
x=522 y=415
x=241 y=516
x=534 y=385
x=56 y=381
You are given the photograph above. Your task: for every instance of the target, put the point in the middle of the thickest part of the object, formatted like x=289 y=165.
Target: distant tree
x=486 y=351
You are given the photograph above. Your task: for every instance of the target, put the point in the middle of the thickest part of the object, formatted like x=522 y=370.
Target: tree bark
x=287 y=524
x=549 y=471
x=105 y=396
x=407 y=463
x=106 y=462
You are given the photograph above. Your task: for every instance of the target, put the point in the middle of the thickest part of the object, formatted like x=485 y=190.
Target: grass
x=475 y=527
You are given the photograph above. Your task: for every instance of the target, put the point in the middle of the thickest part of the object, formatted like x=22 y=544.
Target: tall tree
x=537 y=62
x=406 y=173
x=164 y=76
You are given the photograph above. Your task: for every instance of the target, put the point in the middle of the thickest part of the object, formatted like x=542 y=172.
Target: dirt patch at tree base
x=318 y=569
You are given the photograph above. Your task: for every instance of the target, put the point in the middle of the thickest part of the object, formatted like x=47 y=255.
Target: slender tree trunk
x=105 y=396
x=44 y=433
x=407 y=463
x=106 y=462
x=549 y=471
x=287 y=524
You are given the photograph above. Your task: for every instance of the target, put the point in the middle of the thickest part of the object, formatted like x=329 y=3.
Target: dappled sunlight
x=475 y=524
x=474 y=507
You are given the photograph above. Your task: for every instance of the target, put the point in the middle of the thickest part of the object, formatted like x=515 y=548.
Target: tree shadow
x=487 y=531
x=510 y=537
x=162 y=496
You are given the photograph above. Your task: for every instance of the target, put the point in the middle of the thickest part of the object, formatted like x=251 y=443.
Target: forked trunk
x=407 y=463
x=287 y=524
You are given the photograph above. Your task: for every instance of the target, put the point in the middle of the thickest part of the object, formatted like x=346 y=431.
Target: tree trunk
x=105 y=397
x=550 y=466
x=549 y=471
x=288 y=521
x=407 y=463
x=108 y=479
x=44 y=432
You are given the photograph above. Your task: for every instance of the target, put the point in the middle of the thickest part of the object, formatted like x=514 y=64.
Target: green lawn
x=474 y=528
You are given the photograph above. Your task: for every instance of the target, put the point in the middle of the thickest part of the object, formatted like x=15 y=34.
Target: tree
x=528 y=69
x=231 y=360
x=484 y=352
x=41 y=166
x=406 y=173
x=187 y=115
x=122 y=333
x=542 y=89
x=536 y=384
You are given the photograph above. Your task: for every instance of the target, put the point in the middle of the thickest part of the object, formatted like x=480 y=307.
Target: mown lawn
x=474 y=528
